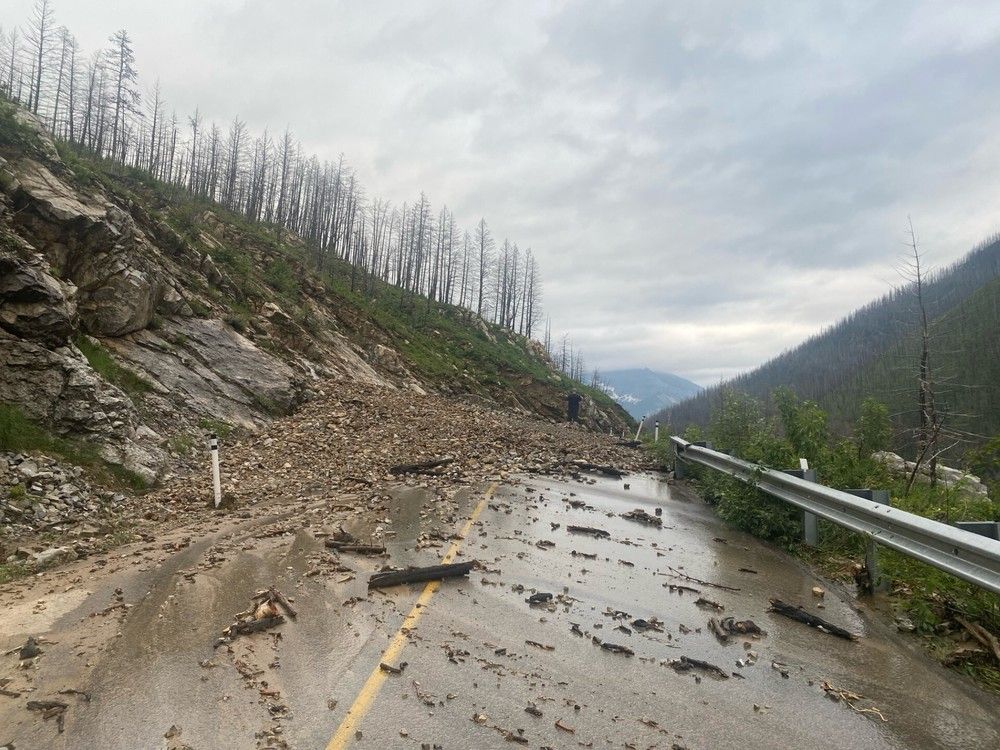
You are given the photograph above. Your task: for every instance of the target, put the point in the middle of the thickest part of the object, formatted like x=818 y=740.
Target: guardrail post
x=810 y=524
x=878 y=581
x=678 y=463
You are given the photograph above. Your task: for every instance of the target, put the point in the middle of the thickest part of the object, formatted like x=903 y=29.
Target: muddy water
x=156 y=667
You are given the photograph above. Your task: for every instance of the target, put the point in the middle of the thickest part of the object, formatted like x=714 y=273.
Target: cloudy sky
x=704 y=183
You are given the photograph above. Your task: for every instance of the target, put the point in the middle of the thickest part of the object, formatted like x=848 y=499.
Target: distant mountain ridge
x=642 y=391
x=874 y=350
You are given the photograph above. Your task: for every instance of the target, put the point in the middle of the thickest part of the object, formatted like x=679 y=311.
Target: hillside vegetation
x=135 y=312
x=874 y=353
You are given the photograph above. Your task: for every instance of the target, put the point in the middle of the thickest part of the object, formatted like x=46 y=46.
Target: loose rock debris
x=796 y=613
x=432 y=467
x=643 y=517
x=589 y=531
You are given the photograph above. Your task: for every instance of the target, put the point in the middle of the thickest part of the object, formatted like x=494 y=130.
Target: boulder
x=34 y=304
x=947 y=476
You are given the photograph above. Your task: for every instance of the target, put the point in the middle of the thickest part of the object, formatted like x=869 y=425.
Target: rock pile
x=38 y=493
x=353 y=434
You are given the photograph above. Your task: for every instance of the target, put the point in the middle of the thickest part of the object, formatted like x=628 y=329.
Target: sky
x=704 y=184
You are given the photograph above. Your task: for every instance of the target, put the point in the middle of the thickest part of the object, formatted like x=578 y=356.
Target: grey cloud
x=704 y=183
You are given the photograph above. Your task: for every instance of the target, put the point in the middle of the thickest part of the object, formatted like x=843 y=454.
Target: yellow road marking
x=369 y=691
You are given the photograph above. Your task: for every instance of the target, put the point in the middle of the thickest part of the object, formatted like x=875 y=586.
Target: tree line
x=94 y=102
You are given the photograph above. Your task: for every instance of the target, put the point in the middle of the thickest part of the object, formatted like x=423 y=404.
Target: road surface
x=476 y=654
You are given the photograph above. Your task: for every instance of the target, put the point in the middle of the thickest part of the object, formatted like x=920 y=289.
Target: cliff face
x=119 y=329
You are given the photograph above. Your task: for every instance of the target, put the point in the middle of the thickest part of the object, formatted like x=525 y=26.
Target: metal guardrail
x=969 y=556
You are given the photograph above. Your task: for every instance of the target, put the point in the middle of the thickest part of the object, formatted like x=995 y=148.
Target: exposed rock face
x=212 y=369
x=33 y=304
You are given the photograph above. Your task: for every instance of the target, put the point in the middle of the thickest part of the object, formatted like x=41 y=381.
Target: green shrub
x=104 y=364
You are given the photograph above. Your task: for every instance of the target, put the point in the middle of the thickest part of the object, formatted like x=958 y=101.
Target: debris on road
x=29 y=650
x=431 y=467
x=643 y=517
x=691 y=579
x=616 y=648
x=608 y=471
x=709 y=604
x=564 y=727
x=50 y=709
x=797 y=613
x=263 y=615
x=358 y=549
x=589 y=531
x=540 y=597
x=389 y=578
x=818 y=592
x=850 y=699
x=391 y=669
x=533 y=710
x=542 y=646
x=686 y=664
x=730 y=626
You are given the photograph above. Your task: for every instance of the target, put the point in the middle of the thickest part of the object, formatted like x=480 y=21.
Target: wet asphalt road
x=470 y=669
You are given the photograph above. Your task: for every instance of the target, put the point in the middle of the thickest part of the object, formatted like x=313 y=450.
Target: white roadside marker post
x=810 y=524
x=216 y=475
x=638 y=431
x=656 y=432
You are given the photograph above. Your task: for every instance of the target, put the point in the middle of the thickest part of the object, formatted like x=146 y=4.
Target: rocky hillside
x=134 y=319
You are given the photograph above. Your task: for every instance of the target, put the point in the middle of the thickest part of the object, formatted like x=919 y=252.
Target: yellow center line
x=369 y=691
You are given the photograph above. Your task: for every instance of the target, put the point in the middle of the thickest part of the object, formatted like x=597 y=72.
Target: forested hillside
x=94 y=101
x=874 y=352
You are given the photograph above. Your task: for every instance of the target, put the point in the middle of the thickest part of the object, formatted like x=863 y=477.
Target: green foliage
x=12 y=571
x=104 y=364
x=873 y=431
x=19 y=434
x=874 y=353
x=17 y=492
x=804 y=425
x=216 y=427
x=283 y=279
x=985 y=460
x=15 y=135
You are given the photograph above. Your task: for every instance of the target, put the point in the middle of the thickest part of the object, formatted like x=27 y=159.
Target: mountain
x=874 y=352
x=136 y=315
x=643 y=391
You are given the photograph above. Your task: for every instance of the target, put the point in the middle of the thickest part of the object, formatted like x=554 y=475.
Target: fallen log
x=729 y=626
x=422 y=467
x=795 y=613
x=589 y=531
x=417 y=575
x=358 y=549
x=982 y=636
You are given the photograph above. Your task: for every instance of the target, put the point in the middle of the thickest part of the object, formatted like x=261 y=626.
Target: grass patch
x=104 y=364
x=12 y=571
x=217 y=427
x=19 y=434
